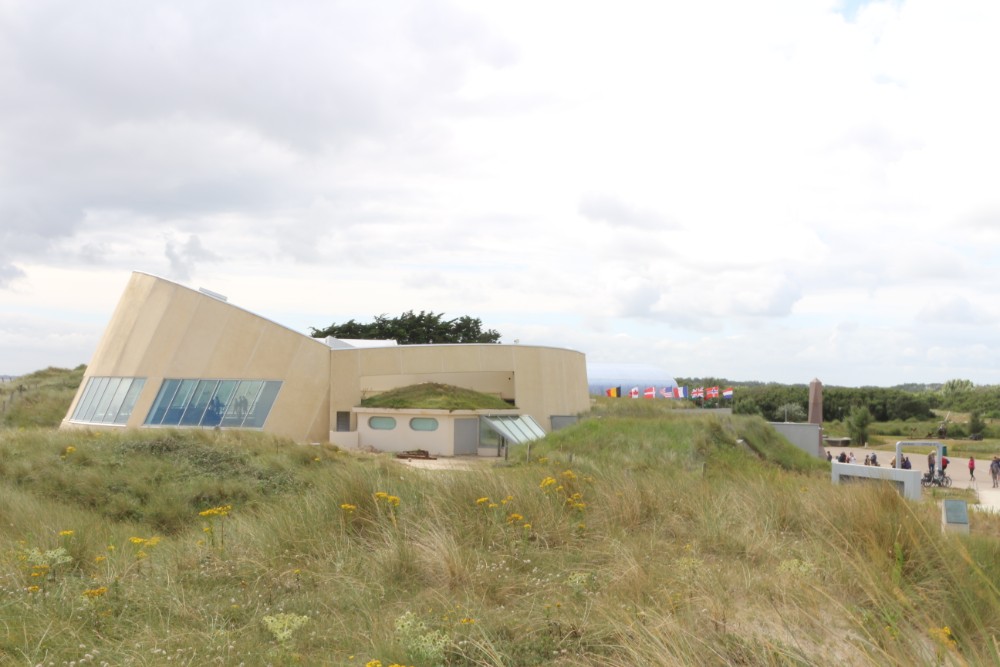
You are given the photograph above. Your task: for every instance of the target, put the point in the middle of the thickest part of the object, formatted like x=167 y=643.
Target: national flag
x=680 y=392
x=727 y=393
x=634 y=392
x=614 y=392
x=666 y=393
x=650 y=392
x=698 y=392
x=712 y=392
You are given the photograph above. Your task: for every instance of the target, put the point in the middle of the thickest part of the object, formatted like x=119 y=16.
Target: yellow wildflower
x=569 y=474
x=221 y=510
x=483 y=500
x=95 y=592
x=514 y=517
x=100 y=559
x=381 y=495
x=34 y=589
x=393 y=500
x=65 y=533
x=548 y=481
x=348 y=507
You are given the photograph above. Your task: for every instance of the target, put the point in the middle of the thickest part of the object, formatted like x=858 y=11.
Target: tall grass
x=665 y=539
x=40 y=398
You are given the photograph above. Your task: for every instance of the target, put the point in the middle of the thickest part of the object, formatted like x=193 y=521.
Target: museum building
x=176 y=357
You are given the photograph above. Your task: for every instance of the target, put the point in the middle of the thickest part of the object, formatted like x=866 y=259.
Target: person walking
x=995 y=470
x=972 y=469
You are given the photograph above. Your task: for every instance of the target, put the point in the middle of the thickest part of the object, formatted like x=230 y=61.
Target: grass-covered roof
x=435 y=396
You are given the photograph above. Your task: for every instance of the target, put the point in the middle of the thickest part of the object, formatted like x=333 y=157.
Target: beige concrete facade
x=161 y=330
x=457 y=431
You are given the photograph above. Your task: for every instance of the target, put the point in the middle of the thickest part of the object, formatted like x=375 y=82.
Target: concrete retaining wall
x=908 y=481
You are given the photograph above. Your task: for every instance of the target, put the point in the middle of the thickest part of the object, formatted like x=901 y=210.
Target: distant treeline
x=912 y=401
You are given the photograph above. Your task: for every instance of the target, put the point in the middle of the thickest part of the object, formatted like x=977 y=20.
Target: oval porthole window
x=424 y=424
x=382 y=423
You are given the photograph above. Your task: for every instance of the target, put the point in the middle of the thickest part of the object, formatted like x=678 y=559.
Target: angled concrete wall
x=162 y=330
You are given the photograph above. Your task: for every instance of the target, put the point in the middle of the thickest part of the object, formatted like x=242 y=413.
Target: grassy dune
x=39 y=399
x=651 y=537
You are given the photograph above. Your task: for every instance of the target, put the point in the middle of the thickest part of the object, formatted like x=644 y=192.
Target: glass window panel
x=522 y=429
x=501 y=427
x=102 y=384
x=217 y=404
x=116 y=401
x=105 y=404
x=262 y=406
x=487 y=436
x=239 y=407
x=423 y=424
x=179 y=402
x=97 y=410
x=382 y=423
x=130 y=398
x=86 y=399
x=199 y=401
x=163 y=398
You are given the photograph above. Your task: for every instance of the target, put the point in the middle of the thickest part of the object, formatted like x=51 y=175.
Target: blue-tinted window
x=424 y=424
x=382 y=423
x=239 y=407
x=100 y=386
x=107 y=400
x=179 y=402
x=199 y=401
x=262 y=406
x=217 y=404
x=163 y=398
x=102 y=405
x=116 y=401
x=128 y=403
x=86 y=399
x=210 y=403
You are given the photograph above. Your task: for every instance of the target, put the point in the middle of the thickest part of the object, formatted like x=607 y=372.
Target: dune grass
x=659 y=539
x=40 y=398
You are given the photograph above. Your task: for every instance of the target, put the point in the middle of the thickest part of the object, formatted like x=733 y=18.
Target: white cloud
x=780 y=190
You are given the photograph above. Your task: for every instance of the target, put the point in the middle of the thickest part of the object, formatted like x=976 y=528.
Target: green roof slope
x=435 y=396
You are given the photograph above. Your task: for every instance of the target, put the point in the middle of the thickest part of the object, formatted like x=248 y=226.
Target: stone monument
x=815 y=402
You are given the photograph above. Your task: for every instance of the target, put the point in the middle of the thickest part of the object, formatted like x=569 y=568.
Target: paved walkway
x=958 y=470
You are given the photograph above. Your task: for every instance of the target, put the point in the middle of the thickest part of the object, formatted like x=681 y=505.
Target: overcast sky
x=777 y=190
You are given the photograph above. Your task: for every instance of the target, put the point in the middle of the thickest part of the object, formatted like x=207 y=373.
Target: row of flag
x=672 y=392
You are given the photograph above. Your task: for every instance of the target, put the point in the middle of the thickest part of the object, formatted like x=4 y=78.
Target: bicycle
x=940 y=478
